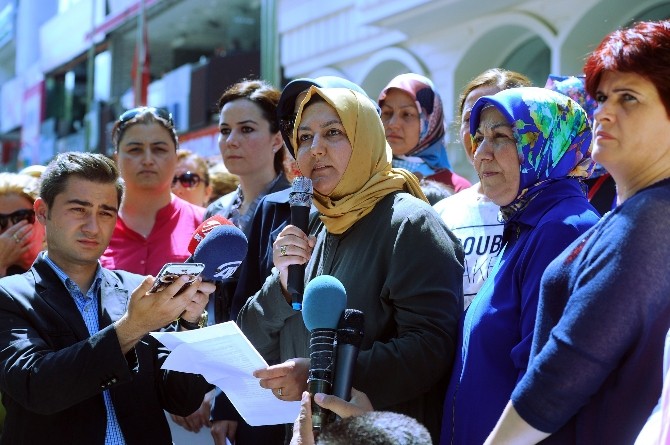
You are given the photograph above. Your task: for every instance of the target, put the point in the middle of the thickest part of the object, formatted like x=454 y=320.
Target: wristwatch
x=189 y=325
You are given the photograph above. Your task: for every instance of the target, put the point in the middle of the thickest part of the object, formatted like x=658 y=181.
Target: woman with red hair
x=595 y=369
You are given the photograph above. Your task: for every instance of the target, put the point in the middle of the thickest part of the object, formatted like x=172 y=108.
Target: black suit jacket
x=272 y=215
x=53 y=373
x=227 y=304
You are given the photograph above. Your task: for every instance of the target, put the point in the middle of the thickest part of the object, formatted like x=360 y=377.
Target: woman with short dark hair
x=251 y=147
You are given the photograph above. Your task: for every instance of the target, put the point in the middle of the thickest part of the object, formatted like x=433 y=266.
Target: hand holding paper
x=226 y=358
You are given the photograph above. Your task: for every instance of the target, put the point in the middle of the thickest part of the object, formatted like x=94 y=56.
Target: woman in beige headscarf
x=373 y=232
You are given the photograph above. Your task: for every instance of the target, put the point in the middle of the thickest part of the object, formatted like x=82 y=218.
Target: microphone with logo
x=221 y=251
x=300 y=199
x=349 y=338
x=325 y=300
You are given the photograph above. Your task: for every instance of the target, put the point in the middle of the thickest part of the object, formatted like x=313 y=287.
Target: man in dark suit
x=76 y=363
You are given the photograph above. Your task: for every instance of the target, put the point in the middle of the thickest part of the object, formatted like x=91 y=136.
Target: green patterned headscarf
x=553 y=138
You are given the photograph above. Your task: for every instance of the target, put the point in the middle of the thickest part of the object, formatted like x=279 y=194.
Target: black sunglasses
x=187 y=180
x=159 y=112
x=15 y=217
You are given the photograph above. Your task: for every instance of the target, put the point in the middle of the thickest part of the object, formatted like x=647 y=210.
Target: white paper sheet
x=226 y=358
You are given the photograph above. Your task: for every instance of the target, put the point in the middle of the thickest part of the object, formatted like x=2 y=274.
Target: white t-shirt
x=473 y=218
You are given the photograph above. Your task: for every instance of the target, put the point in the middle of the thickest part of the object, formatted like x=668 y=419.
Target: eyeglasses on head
x=158 y=112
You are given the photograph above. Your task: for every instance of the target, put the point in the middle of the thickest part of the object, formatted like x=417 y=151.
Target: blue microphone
x=222 y=251
x=323 y=304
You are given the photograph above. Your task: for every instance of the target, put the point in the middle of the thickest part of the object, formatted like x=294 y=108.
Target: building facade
x=450 y=41
x=67 y=66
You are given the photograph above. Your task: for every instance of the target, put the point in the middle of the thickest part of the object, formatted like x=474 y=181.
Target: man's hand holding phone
x=149 y=311
x=172 y=271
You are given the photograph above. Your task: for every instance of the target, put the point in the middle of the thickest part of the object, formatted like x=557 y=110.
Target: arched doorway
x=655 y=13
x=603 y=18
x=532 y=58
x=384 y=66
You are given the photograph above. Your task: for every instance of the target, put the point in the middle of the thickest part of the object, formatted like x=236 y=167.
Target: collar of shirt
x=69 y=283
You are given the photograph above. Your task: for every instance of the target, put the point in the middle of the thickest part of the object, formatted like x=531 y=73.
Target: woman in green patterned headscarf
x=531 y=148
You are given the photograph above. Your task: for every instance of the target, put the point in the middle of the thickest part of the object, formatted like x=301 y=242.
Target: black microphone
x=349 y=338
x=325 y=300
x=300 y=199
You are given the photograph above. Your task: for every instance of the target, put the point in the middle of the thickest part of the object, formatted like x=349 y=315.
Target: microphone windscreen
x=204 y=228
x=222 y=252
x=301 y=192
x=324 y=301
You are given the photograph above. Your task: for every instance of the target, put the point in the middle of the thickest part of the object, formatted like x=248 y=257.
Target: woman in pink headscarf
x=414 y=125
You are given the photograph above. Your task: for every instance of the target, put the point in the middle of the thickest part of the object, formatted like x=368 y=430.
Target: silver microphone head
x=301 y=192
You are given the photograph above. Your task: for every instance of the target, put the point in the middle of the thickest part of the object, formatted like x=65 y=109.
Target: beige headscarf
x=369 y=175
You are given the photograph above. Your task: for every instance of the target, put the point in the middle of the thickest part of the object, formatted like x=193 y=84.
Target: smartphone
x=171 y=271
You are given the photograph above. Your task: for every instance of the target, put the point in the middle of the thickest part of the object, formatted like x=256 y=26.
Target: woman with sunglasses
x=21 y=236
x=191 y=180
x=154 y=226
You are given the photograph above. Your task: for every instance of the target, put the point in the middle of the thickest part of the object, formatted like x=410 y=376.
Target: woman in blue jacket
x=531 y=152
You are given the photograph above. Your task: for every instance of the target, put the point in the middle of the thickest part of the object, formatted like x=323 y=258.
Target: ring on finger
x=16 y=238
x=282 y=252
x=279 y=392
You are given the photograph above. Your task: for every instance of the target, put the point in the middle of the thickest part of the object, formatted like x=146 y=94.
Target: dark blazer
x=231 y=295
x=227 y=304
x=52 y=372
x=272 y=215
